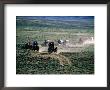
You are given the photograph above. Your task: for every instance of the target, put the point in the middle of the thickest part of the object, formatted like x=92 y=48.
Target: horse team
x=34 y=46
x=51 y=45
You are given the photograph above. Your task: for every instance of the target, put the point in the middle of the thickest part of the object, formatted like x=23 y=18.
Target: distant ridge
x=63 y=22
x=64 y=18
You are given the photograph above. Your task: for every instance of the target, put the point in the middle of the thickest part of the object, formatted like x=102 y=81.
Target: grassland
x=31 y=62
x=81 y=63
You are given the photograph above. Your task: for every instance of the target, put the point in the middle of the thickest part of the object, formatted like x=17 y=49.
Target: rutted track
x=62 y=59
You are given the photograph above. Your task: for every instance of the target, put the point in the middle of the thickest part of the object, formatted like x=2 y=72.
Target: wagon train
x=57 y=46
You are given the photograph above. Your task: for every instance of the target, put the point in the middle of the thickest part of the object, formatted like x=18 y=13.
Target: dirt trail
x=62 y=59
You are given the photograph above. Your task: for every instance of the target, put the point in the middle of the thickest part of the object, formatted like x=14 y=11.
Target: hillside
x=55 y=22
x=76 y=56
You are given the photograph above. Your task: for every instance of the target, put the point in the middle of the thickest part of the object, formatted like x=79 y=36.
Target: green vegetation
x=32 y=62
x=81 y=63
